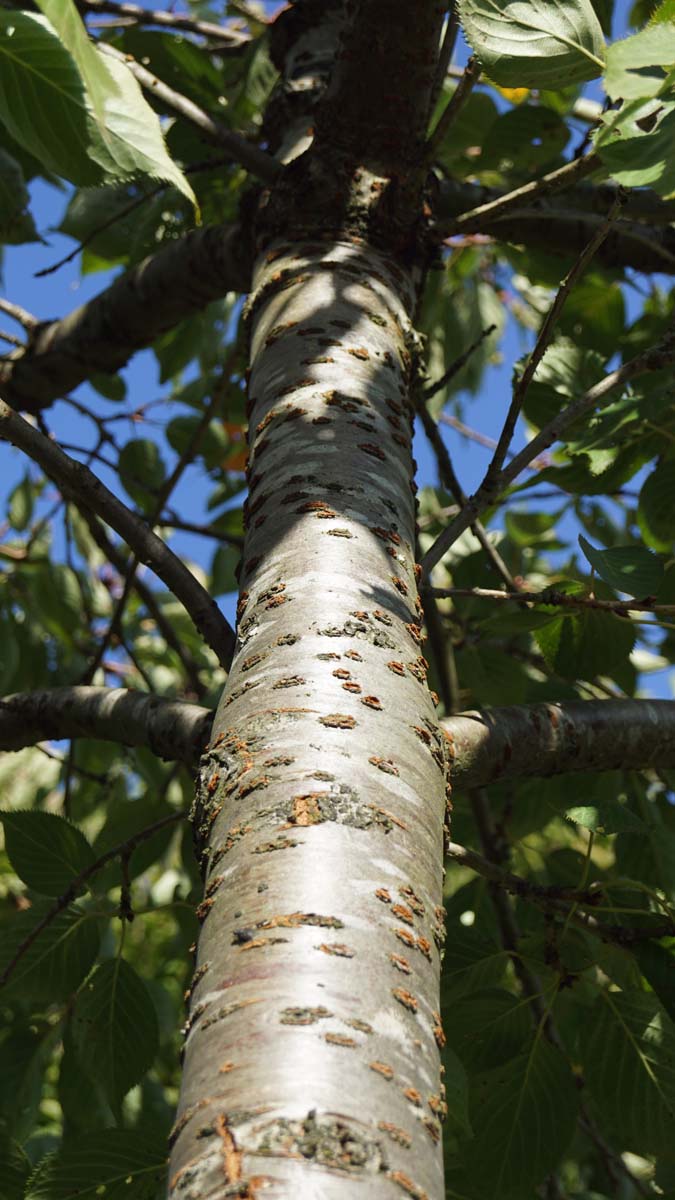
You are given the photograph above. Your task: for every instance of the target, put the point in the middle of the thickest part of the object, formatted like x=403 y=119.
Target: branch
x=645 y=244
x=490 y=489
x=543 y=341
x=448 y=478
x=131 y=314
x=555 y=898
x=503 y=204
x=488 y=746
x=470 y=77
x=168 y=20
x=555 y=599
x=150 y=601
x=123 y=851
x=79 y=484
x=19 y=314
x=525 y=741
x=172 y=729
x=260 y=164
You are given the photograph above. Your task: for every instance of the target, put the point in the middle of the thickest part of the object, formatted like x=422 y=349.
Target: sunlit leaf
x=531 y=43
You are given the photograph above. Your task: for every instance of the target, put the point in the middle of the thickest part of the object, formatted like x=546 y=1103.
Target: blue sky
x=56 y=294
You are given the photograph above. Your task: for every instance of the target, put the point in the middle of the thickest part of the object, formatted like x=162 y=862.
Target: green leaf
x=583 y=644
x=533 y=43
x=120 y=1164
x=656 y=507
x=523 y=1115
x=566 y=372
x=81 y=121
x=456 y=1094
x=489 y=1027
x=635 y=144
x=628 y=1053
x=607 y=816
x=131 y=136
x=57 y=960
x=628 y=75
x=21 y=500
x=24 y=1054
x=657 y=963
x=67 y=24
x=46 y=851
x=14 y=1169
x=127 y=818
x=650 y=859
x=134 y=144
x=531 y=528
x=142 y=471
x=470 y=962
x=112 y=387
x=16 y=223
x=213 y=442
x=630 y=569
x=80 y=1095
x=115 y=1028
x=223 y=567
x=52 y=121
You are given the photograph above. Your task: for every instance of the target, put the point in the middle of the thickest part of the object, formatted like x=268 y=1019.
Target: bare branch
x=474 y=220
x=544 y=340
x=525 y=741
x=470 y=77
x=450 y=481
x=79 y=484
x=131 y=314
x=645 y=242
x=572 y=903
x=19 y=314
x=181 y=22
x=550 y=597
x=653 y=359
x=172 y=729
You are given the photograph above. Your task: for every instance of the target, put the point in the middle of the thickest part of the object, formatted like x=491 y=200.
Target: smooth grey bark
x=517 y=742
x=172 y=729
x=484 y=746
x=312 y=1042
x=321 y=806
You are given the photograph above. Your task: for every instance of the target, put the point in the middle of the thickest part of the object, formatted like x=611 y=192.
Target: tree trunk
x=312 y=1054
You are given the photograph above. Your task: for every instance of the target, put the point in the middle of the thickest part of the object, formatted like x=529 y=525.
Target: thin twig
x=654 y=359
x=163 y=494
x=445 y=55
x=566 y=901
x=72 y=891
x=169 y=20
x=473 y=220
x=19 y=314
x=449 y=480
x=150 y=602
x=260 y=164
x=529 y=981
x=79 y=484
x=482 y=439
x=207 y=165
x=456 y=366
x=12 y=339
x=544 y=339
x=470 y=77
x=553 y=598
